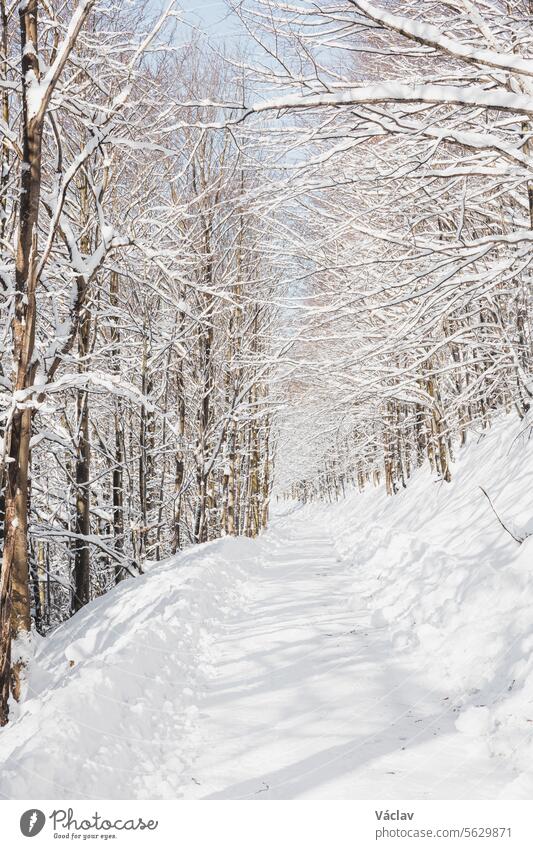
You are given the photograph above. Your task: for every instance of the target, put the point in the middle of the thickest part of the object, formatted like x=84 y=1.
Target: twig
x=516 y=539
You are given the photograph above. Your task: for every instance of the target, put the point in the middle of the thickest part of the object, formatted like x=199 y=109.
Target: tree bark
x=14 y=592
x=14 y=586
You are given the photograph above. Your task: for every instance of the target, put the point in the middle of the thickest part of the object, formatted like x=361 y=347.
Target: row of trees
x=137 y=329
x=412 y=195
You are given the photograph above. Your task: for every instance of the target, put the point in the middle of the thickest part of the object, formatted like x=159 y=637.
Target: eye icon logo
x=32 y=822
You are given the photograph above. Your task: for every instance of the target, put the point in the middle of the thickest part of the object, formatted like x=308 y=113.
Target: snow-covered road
x=308 y=700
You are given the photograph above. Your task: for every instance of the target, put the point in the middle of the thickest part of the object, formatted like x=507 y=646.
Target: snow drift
x=110 y=690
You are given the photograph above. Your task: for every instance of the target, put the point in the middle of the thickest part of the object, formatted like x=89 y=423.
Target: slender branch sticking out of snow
x=504 y=526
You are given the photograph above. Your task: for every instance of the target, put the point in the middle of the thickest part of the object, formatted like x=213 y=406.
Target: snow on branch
x=39 y=92
x=430 y=36
x=393 y=92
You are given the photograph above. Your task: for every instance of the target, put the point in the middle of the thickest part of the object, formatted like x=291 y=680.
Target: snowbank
x=455 y=590
x=113 y=690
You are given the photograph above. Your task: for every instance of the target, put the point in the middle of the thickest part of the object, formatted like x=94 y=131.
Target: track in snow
x=240 y=670
x=308 y=699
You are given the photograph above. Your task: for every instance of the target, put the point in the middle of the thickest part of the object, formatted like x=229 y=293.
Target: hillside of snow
x=375 y=648
x=455 y=593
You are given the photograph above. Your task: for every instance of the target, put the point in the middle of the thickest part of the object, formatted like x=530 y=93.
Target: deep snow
x=377 y=648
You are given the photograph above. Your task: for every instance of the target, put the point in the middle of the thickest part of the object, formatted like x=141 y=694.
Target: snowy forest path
x=308 y=698
x=247 y=669
x=281 y=663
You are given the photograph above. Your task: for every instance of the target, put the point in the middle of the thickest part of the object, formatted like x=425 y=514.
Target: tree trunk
x=82 y=552
x=117 y=482
x=14 y=589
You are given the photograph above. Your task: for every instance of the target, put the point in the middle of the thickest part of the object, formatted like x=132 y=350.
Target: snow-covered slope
x=381 y=647
x=111 y=709
x=455 y=591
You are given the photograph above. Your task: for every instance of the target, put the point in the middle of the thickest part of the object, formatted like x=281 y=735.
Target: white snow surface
x=376 y=648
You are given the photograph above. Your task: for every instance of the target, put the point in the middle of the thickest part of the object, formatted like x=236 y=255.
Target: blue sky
x=211 y=12
x=212 y=16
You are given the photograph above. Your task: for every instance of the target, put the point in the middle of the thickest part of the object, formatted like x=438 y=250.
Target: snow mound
x=111 y=708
